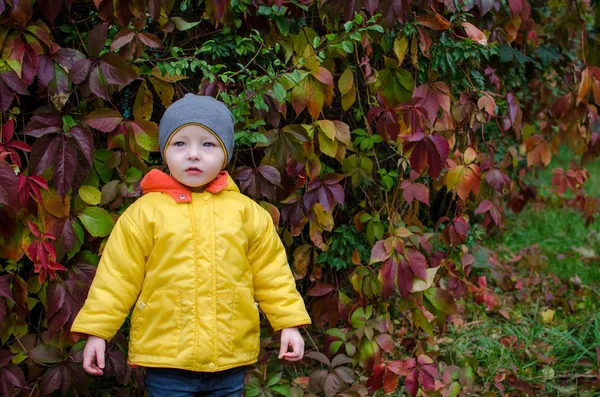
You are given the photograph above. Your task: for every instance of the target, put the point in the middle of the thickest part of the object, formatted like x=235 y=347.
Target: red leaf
x=497 y=179
x=513 y=107
x=474 y=34
x=115 y=70
x=51 y=380
x=150 y=40
x=5 y=288
x=97 y=39
x=390 y=382
x=405 y=278
x=484 y=206
x=388 y=273
x=80 y=70
x=64 y=165
x=104 y=119
x=411 y=383
x=418 y=263
x=85 y=140
x=8 y=185
x=122 y=38
x=515 y=6
x=42 y=124
x=430 y=149
x=14 y=82
x=386 y=342
x=50 y=9
x=43 y=152
x=415 y=191
x=98 y=84
x=402 y=367
x=7 y=131
x=320 y=289
x=379 y=253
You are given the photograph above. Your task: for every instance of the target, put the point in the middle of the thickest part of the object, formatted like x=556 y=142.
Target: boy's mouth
x=193 y=170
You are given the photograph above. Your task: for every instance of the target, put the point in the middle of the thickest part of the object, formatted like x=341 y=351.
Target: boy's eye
x=208 y=144
x=179 y=144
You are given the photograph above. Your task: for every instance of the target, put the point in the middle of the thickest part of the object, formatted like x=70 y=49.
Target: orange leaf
x=323 y=75
x=488 y=103
x=474 y=34
x=538 y=150
x=512 y=28
x=434 y=21
x=584 y=85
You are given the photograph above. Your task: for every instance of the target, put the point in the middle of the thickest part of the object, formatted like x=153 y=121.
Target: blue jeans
x=171 y=382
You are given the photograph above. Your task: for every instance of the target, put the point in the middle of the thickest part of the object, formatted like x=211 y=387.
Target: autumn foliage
x=378 y=134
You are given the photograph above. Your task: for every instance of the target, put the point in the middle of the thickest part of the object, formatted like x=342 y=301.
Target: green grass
x=571 y=247
x=558 y=356
x=566 y=345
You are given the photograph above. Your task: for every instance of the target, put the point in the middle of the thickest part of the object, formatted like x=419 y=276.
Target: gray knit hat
x=196 y=109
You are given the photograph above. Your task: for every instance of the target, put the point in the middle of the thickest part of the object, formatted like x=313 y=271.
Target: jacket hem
x=303 y=323
x=143 y=363
x=84 y=333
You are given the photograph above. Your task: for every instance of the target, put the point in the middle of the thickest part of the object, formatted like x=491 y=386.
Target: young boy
x=194 y=258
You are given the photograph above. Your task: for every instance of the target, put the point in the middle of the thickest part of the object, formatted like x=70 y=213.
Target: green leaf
x=133 y=175
x=348 y=46
x=396 y=85
x=182 y=24
x=274 y=380
x=90 y=195
x=97 y=221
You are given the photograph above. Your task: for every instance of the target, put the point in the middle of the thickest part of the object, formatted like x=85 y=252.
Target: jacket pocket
x=245 y=324
x=156 y=324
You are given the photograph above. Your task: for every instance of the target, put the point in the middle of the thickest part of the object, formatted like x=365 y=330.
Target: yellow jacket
x=195 y=267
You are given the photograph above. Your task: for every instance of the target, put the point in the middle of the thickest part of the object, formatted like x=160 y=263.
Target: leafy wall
x=385 y=137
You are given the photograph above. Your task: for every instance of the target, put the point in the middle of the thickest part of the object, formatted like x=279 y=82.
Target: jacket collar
x=158 y=181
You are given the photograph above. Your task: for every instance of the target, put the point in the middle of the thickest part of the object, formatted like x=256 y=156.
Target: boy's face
x=194 y=157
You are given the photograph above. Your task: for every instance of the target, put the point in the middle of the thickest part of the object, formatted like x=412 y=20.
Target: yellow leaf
x=164 y=90
x=144 y=102
x=324 y=218
x=55 y=205
x=349 y=99
x=328 y=128
x=346 y=81
x=90 y=194
x=584 y=85
x=420 y=285
x=470 y=155
x=342 y=132
x=328 y=146
x=346 y=87
x=414 y=52
x=547 y=316
x=400 y=48
x=302 y=259
x=454 y=176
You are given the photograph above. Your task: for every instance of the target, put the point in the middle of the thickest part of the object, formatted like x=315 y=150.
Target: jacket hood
x=158 y=181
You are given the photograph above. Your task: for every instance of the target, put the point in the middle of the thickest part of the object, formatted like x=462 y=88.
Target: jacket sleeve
x=274 y=285
x=117 y=283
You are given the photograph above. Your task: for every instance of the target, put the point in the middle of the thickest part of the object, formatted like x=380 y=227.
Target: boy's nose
x=193 y=154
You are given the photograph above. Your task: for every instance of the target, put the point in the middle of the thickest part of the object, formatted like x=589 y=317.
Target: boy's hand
x=93 y=355
x=290 y=337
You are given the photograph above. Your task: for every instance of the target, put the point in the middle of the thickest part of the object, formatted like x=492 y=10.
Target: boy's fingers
x=100 y=357
x=283 y=349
